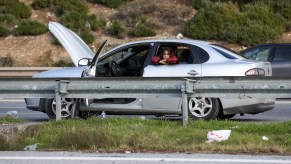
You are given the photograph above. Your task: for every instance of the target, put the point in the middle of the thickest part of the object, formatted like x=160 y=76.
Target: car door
x=188 y=66
x=281 y=62
x=130 y=61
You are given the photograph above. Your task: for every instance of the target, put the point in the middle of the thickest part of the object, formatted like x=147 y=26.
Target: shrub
x=74 y=21
x=4 y=31
x=29 y=27
x=7 y=19
x=87 y=37
x=18 y=9
x=142 y=30
x=96 y=23
x=2 y=2
x=68 y=6
x=6 y=61
x=40 y=4
x=254 y=24
x=63 y=63
x=117 y=28
x=288 y=26
x=111 y=3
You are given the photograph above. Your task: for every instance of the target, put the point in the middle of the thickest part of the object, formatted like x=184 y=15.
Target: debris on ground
x=218 y=135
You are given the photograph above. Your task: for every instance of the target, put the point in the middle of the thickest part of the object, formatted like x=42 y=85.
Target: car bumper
x=266 y=105
x=34 y=104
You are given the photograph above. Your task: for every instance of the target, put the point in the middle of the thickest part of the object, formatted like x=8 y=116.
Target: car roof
x=266 y=44
x=186 y=41
x=272 y=44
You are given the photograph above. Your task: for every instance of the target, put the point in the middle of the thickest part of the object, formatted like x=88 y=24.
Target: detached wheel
x=68 y=105
x=203 y=108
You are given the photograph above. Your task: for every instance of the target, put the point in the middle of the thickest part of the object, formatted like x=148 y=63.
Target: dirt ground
x=30 y=51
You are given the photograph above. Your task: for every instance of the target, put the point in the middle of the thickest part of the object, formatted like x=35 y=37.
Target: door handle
x=193 y=73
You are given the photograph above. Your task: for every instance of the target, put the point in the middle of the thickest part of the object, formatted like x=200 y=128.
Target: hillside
x=29 y=51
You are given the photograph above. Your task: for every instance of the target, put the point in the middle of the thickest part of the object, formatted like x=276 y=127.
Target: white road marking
x=148 y=159
x=283 y=102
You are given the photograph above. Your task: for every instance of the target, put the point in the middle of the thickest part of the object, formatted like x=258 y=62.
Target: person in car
x=165 y=58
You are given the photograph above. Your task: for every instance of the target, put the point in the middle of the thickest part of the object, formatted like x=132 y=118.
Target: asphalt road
x=282 y=112
x=133 y=158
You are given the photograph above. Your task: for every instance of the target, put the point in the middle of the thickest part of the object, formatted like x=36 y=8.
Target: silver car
x=135 y=59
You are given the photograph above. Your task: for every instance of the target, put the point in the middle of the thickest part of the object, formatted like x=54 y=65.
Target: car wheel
x=203 y=108
x=223 y=117
x=68 y=106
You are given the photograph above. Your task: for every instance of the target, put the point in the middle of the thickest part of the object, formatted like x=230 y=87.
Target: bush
x=6 y=61
x=224 y=21
x=142 y=30
x=4 y=31
x=111 y=3
x=2 y=2
x=63 y=63
x=74 y=21
x=18 y=9
x=30 y=27
x=68 y=6
x=117 y=28
x=95 y=23
x=87 y=37
x=7 y=19
x=40 y=4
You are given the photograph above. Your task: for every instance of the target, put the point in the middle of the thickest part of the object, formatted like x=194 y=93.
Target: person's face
x=166 y=54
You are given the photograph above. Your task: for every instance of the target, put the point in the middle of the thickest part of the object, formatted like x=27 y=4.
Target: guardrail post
x=61 y=89
x=184 y=105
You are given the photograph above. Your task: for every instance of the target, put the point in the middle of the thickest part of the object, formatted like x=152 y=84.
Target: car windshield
x=228 y=53
x=258 y=53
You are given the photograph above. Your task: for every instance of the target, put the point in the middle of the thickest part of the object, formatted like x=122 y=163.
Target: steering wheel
x=114 y=69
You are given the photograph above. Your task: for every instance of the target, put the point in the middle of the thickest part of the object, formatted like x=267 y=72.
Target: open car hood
x=73 y=44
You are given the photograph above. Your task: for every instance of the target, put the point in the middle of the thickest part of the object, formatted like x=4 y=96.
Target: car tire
x=68 y=105
x=203 y=107
x=225 y=117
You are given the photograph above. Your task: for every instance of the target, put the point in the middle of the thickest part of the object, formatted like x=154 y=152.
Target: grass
x=136 y=135
x=9 y=120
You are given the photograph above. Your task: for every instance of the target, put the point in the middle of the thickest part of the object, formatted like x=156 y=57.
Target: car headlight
x=255 y=72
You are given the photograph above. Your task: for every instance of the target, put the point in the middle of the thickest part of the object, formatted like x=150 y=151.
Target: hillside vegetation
x=231 y=21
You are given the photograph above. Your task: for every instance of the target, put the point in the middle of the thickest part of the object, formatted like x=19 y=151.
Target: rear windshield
x=228 y=53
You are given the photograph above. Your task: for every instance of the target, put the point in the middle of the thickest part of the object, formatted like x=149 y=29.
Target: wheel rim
x=200 y=106
x=67 y=106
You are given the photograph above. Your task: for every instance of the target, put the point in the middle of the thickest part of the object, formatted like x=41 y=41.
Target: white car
x=135 y=59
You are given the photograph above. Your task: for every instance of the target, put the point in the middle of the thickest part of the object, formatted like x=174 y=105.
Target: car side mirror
x=84 y=62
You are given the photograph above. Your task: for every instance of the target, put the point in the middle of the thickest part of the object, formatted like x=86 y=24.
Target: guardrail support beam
x=61 y=89
x=184 y=106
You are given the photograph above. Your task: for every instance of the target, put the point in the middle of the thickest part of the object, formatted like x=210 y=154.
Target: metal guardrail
x=122 y=87
x=22 y=71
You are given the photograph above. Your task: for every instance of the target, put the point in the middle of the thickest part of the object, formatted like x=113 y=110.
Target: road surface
x=134 y=158
x=282 y=112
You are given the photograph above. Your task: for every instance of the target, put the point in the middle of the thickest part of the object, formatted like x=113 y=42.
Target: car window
x=130 y=60
x=258 y=53
x=228 y=53
x=184 y=55
x=181 y=53
x=201 y=56
x=283 y=53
